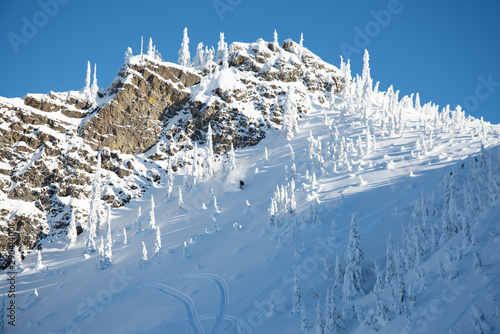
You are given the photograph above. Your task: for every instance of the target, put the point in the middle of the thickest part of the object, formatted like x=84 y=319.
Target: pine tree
x=232 y=160
x=320 y=321
x=304 y=320
x=86 y=90
x=209 y=163
x=18 y=258
x=170 y=183
x=301 y=43
x=142 y=46
x=339 y=273
x=100 y=251
x=144 y=254
x=353 y=277
x=39 y=264
x=125 y=241
x=199 y=57
x=185 y=251
x=390 y=266
x=276 y=43
x=296 y=297
x=94 y=88
x=181 y=201
x=138 y=221
x=128 y=54
x=151 y=52
x=152 y=219
x=266 y=156
x=95 y=206
x=221 y=49
x=290 y=127
x=158 y=241
x=72 y=234
x=108 y=250
x=184 y=55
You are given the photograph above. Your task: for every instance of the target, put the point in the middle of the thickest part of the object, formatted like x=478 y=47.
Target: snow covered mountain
x=361 y=211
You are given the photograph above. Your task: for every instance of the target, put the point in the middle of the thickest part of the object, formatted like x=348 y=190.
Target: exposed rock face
x=49 y=142
x=132 y=121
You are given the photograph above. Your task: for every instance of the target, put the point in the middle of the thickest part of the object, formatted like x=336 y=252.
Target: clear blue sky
x=448 y=51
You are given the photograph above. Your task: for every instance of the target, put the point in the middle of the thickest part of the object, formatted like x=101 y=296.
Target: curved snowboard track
x=189 y=305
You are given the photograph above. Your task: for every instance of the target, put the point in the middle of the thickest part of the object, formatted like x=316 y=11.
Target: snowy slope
x=225 y=260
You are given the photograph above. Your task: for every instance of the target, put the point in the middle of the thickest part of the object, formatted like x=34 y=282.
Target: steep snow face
x=192 y=252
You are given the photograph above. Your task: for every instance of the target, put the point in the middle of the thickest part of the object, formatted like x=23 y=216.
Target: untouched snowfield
x=223 y=268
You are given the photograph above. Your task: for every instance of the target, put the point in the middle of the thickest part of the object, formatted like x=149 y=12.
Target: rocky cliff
x=153 y=111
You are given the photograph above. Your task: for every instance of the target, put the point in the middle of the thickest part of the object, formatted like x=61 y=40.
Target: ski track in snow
x=189 y=305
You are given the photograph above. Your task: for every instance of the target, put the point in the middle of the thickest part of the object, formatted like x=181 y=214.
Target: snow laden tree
x=86 y=90
x=72 y=234
x=125 y=241
x=94 y=89
x=209 y=156
x=221 y=49
x=199 y=56
x=320 y=320
x=128 y=55
x=296 y=296
x=353 y=277
x=39 y=264
x=158 y=241
x=138 y=221
x=184 y=55
x=290 y=127
x=144 y=258
x=276 y=43
x=170 y=183
x=152 y=219
x=180 y=200
x=108 y=250
x=231 y=163
x=151 y=52
x=95 y=209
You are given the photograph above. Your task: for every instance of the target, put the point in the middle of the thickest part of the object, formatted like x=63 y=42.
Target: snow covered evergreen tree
x=296 y=297
x=199 y=57
x=320 y=320
x=209 y=156
x=94 y=217
x=108 y=250
x=128 y=54
x=39 y=263
x=353 y=277
x=158 y=241
x=180 y=200
x=304 y=320
x=125 y=241
x=290 y=127
x=221 y=49
x=276 y=43
x=138 y=221
x=339 y=272
x=144 y=254
x=170 y=184
x=72 y=234
x=231 y=164
x=151 y=52
x=152 y=219
x=184 y=55
x=94 y=88
x=86 y=90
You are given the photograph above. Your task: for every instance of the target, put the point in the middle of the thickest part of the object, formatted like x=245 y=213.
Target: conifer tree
x=180 y=200
x=138 y=221
x=296 y=297
x=151 y=52
x=221 y=49
x=275 y=43
x=184 y=55
x=353 y=277
x=72 y=234
x=144 y=254
x=94 y=88
x=231 y=164
x=128 y=54
x=390 y=264
x=39 y=264
x=199 y=57
x=320 y=321
x=290 y=127
x=86 y=90
x=339 y=273
x=185 y=251
x=304 y=320
x=158 y=241
x=94 y=216
x=209 y=156
x=125 y=241
x=108 y=250
x=152 y=219
x=301 y=43
x=18 y=258
x=170 y=183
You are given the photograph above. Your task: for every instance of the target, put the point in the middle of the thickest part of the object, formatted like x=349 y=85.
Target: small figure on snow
x=242 y=185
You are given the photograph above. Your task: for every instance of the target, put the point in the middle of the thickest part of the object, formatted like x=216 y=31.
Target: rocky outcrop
x=132 y=121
